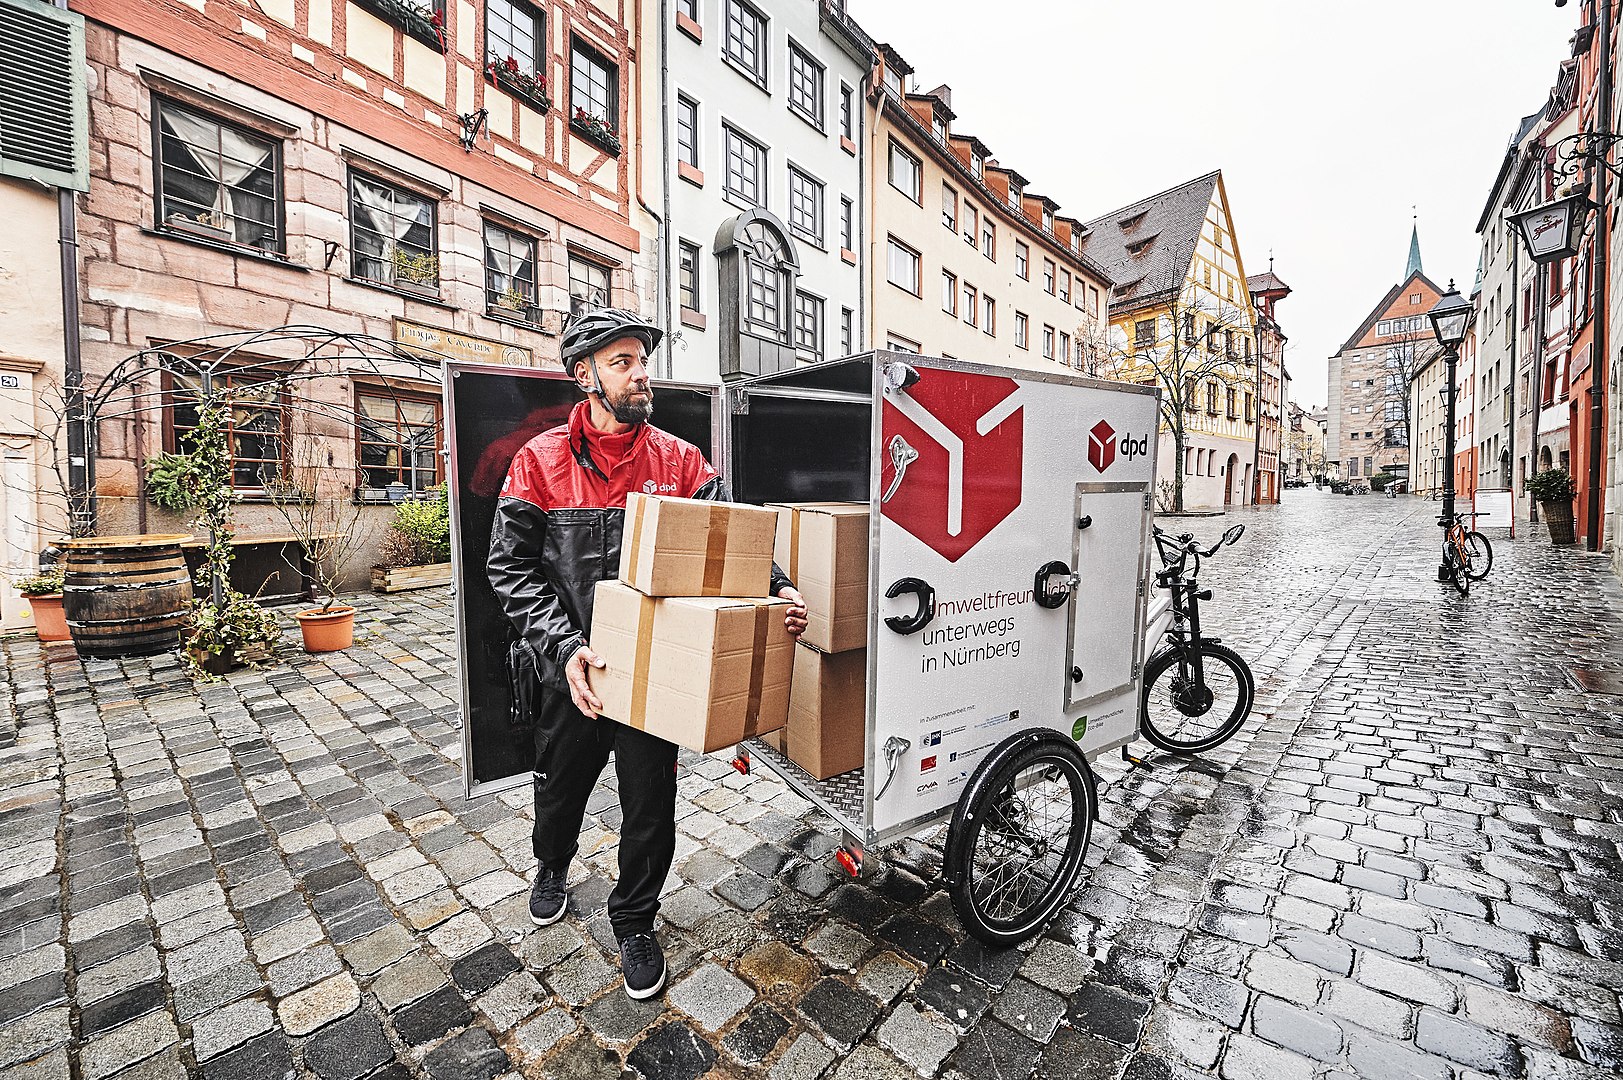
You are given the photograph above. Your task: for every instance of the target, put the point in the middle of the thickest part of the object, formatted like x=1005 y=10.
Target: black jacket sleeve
x=527 y=596
x=715 y=489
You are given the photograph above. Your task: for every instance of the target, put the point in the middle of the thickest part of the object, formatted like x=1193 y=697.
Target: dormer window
x=893 y=82
x=938 y=125
x=1048 y=220
x=977 y=165
x=1014 y=193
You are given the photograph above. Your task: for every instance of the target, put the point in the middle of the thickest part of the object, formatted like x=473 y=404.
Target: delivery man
x=557 y=533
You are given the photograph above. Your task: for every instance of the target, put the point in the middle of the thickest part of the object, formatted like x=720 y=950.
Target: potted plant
x=416 y=551
x=207 y=223
x=597 y=129
x=506 y=72
x=416 y=271
x=226 y=637
x=172 y=481
x=330 y=527
x=43 y=592
x=1553 y=490
x=515 y=302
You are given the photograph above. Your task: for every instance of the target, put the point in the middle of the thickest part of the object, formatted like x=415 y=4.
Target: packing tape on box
x=637 y=520
x=763 y=624
x=715 y=551
x=794 y=544
x=639 y=676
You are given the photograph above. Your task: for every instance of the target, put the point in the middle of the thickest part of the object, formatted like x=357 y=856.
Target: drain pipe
x=81 y=458
x=1599 y=366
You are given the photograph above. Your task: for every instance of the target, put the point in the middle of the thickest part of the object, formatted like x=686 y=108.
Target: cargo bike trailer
x=1010 y=611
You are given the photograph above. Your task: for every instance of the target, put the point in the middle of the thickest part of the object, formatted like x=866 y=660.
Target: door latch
x=1053 y=584
x=901 y=456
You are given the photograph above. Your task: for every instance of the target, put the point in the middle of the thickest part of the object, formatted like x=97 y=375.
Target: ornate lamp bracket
x=1576 y=154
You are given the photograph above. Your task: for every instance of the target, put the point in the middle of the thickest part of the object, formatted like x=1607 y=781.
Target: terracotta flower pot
x=327 y=631
x=49 y=622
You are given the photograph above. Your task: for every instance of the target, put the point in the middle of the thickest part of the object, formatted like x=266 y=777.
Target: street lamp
x=1450 y=317
x=1553 y=230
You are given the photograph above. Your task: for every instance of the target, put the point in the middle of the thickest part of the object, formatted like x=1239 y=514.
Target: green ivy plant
x=242 y=625
x=172 y=481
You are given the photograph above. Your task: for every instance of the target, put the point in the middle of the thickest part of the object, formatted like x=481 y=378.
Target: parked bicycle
x=1197 y=691
x=1467 y=555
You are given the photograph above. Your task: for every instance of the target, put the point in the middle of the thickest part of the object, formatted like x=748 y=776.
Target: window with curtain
x=688 y=275
x=594 y=86
x=509 y=272
x=217 y=179
x=588 y=284
x=392 y=235
x=516 y=30
x=397 y=439
x=257 y=427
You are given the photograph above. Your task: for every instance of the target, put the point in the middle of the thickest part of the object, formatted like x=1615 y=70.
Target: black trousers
x=570 y=752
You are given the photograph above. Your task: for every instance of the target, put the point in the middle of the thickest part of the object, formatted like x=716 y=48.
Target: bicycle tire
x=1458 y=574
x=1175 y=701
x=1481 y=553
x=989 y=835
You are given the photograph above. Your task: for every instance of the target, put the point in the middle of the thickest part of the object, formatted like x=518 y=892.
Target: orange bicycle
x=1467 y=555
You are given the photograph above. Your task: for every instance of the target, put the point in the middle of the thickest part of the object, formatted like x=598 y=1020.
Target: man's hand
x=795 y=618
x=580 y=692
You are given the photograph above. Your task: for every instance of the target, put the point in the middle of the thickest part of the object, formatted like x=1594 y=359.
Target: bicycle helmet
x=594 y=329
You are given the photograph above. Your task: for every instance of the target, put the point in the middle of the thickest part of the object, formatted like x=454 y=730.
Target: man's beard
x=631 y=410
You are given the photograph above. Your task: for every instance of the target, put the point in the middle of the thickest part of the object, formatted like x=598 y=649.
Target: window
x=1022 y=260
x=1048 y=276
x=1048 y=219
x=1368 y=471
x=763 y=298
x=989 y=315
x=1250 y=407
x=1065 y=347
x=1144 y=334
x=746 y=166
x=1093 y=301
x=806 y=85
x=971 y=305
x=977 y=164
x=893 y=81
x=509 y=272
x=847 y=331
x=687 y=130
x=1065 y=286
x=1048 y=342
x=690 y=8
x=687 y=275
x=257 y=426
x=392 y=236
x=594 y=87
x=906 y=173
x=1394 y=411
x=1231 y=403
x=949 y=207
x=848 y=230
x=847 y=113
x=745 y=44
x=1014 y=193
x=1211 y=398
x=805 y=207
x=1020 y=330
x=808 y=326
x=897 y=343
x=1352 y=466
x=397 y=439
x=514 y=30
x=217 y=180
x=902 y=266
x=949 y=293
x=989 y=237
x=588 y=284
x=972 y=224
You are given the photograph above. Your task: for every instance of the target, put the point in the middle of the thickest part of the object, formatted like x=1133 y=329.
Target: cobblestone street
x=1407 y=864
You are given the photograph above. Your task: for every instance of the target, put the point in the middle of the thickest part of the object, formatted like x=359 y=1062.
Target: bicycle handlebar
x=1185 y=545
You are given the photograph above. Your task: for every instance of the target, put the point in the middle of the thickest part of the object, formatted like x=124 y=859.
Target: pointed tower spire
x=1414 y=251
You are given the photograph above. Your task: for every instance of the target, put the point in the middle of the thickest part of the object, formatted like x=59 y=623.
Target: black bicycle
x=1197 y=691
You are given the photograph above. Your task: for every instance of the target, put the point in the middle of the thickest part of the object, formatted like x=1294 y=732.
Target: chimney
x=943 y=94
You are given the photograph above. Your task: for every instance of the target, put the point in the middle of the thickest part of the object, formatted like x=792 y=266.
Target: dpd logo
x=968 y=434
x=1103 y=446
x=650 y=487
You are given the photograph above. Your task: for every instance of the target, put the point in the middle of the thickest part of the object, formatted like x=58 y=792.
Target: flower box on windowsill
x=416 y=20
x=596 y=131
x=531 y=91
x=523 y=314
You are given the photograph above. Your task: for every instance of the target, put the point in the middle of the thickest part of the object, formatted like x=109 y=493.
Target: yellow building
x=1181 y=316
x=968 y=262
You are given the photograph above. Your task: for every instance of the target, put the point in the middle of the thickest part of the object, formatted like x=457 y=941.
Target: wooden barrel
x=126 y=595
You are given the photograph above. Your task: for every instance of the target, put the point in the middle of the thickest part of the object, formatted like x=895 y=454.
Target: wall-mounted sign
x=462 y=346
x=11 y=382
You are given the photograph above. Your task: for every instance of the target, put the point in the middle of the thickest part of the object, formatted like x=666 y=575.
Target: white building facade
x=752 y=180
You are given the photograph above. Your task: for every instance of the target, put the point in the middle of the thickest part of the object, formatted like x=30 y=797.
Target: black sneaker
x=548 y=901
x=643 y=964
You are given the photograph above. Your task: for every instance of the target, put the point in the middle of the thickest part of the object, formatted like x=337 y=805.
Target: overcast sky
x=1329 y=120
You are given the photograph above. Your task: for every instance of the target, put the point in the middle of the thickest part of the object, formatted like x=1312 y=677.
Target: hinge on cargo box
x=741 y=402
x=1138 y=666
x=1146 y=500
x=1141 y=586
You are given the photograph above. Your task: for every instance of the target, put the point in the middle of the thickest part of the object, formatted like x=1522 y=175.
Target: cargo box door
x=1106 y=615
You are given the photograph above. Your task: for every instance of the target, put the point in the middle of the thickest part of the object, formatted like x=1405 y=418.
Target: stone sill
x=689 y=27
x=228 y=248
x=694 y=319
x=690 y=174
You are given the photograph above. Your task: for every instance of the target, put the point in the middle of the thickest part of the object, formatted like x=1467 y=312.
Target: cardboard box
x=774 y=739
x=702 y=672
x=823 y=547
x=828 y=708
x=695 y=547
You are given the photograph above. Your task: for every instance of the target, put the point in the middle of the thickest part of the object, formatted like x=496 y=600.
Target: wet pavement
x=1406 y=865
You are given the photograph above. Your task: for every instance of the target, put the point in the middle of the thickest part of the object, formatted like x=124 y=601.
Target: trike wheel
x=1015 y=846
x=1183 y=716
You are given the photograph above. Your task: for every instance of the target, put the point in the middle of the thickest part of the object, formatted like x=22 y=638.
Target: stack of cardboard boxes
x=695 y=651
x=823 y=547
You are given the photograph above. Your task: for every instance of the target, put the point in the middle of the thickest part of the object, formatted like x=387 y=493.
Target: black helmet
x=596 y=328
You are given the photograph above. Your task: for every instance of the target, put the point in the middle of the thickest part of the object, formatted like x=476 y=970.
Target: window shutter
x=44 y=129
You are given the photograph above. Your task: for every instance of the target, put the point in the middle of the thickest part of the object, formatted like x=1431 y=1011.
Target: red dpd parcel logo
x=1101 y=445
x=969 y=433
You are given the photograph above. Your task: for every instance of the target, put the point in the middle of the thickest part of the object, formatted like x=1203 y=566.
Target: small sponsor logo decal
x=927 y=764
x=927 y=786
x=1079 y=728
